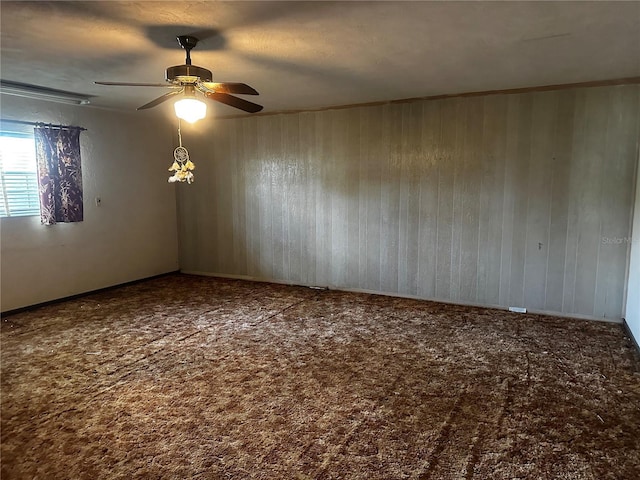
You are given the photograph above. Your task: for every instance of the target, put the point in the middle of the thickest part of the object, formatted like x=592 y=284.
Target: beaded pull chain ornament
x=182 y=166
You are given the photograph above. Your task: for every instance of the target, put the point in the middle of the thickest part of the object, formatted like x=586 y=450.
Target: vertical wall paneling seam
x=283 y=174
x=528 y=202
x=362 y=208
x=502 y=142
x=334 y=249
x=461 y=213
x=480 y=160
x=554 y=155
x=483 y=152
x=438 y=160
x=445 y=245
x=424 y=156
x=565 y=285
x=577 y=241
x=441 y=159
x=513 y=128
x=280 y=172
x=328 y=157
x=505 y=210
x=380 y=154
x=237 y=206
x=520 y=199
x=559 y=208
x=291 y=169
x=367 y=179
x=396 y=164
x=576 y=151
x=595 y=155
x=293 y=179
x=271 y=203
x=601 y=199
x=455 y=249
x=454 y=158
x=403 y=200
x=412 y=163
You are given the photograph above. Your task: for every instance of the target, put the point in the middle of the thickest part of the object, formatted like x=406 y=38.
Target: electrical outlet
x=518 y=309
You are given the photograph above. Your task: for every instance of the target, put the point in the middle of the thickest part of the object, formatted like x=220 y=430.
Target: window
x=18 y=175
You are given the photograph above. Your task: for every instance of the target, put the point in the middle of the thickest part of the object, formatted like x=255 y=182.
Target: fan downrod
x=187 y=42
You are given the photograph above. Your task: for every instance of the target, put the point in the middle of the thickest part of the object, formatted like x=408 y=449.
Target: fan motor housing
x=188 y=74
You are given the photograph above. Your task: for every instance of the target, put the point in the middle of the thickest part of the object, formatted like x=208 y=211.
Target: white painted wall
x=132 y=235
x=632 y=315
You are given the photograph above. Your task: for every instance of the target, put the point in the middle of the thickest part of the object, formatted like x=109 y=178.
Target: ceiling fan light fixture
x=186 y=79
x=190 y=109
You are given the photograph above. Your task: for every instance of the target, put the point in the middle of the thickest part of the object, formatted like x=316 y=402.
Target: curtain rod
x=40 y=124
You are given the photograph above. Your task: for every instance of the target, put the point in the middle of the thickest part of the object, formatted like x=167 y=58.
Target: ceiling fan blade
x=234 y=102
x=159 y=100
x=230 y=87
x=124 y=84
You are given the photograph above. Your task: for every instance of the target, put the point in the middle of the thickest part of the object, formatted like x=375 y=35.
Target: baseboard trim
x=84 y=294
x=629 y=333
x=401 y=295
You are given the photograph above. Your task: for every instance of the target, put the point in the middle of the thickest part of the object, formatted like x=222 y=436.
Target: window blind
x=18 y=175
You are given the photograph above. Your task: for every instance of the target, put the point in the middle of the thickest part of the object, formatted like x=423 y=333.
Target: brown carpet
x=189 y=377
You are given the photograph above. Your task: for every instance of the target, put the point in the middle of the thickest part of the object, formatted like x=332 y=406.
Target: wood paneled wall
x=511 y=199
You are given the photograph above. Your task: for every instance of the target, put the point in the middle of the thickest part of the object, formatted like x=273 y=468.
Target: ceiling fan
x=185 y=80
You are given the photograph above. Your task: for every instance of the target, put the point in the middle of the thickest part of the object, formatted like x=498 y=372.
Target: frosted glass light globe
x=190 y=109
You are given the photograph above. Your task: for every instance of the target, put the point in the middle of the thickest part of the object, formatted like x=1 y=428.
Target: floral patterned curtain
x=59 y=174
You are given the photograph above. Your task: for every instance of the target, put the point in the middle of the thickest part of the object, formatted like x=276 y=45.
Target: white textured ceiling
x=305 y=55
